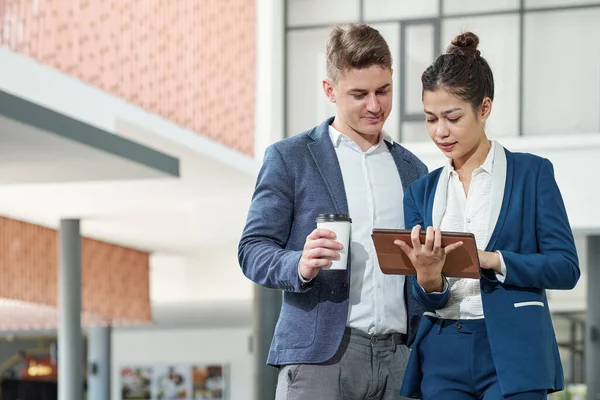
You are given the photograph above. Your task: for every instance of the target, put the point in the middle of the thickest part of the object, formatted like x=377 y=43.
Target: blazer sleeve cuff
x=300 y=284
x=302 y=279
x=431 y=301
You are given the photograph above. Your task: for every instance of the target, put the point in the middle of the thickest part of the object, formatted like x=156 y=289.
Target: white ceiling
x=206 y=205
x=32 y=155
x=41 y=320
x=40 y=145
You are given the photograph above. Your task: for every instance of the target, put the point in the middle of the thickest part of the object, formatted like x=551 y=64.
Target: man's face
x=363 y=99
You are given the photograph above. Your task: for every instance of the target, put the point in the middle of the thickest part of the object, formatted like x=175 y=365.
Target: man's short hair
x=355 y=46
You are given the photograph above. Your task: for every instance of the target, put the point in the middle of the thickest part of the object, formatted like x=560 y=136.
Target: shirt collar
x=488 y=164
x=337 y=136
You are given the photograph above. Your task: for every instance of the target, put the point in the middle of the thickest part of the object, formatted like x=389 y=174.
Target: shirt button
x=378 y=285
x=468 y=220
x=378 y=319
x=467 y=298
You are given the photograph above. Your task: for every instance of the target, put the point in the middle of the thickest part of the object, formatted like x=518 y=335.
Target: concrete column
x=98 y=357
x=268 y=128
x=70 y=343
x=267 y=303
x=592 y=335
x=270 y=71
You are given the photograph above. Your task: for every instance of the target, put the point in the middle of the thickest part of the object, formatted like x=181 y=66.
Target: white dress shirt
x=374 y=193
x=477 y=213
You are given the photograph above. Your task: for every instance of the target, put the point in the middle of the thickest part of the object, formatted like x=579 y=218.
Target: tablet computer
x=461 y=263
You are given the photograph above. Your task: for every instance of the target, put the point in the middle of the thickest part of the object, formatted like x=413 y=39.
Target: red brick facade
x=115 y=279
x=189 y=61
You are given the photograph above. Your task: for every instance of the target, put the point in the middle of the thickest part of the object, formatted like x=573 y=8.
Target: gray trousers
x=364 y=367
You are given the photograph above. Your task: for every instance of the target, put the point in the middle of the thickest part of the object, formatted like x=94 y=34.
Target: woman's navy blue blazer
x=535 y=239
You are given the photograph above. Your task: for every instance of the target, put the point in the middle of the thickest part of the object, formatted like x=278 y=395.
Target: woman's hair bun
x=465 y=45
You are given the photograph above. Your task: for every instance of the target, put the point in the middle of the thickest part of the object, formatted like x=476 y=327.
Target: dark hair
x=355 y=46
x=462 y=71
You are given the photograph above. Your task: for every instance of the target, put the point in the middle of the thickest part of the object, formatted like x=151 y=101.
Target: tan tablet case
x=461 y=263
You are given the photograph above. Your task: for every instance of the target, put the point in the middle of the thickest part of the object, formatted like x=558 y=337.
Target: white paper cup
x=340 y=224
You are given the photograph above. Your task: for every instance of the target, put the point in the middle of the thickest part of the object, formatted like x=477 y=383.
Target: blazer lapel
x=328 y=165
x=440 y=197
x=501 y=217
x=404 y=165
x=498 y=184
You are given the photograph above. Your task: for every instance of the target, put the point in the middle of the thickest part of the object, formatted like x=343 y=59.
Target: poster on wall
x=174 y=382
x=208 y=382
x=136 y=383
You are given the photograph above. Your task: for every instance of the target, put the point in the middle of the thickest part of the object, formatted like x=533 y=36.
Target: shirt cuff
x=501 y=276
x=443 y=290
x=300 y=275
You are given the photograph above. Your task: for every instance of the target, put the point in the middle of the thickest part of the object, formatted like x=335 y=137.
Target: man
x=343 y=333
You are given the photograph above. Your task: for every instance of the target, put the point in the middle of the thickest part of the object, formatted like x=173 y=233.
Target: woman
x=489 y=338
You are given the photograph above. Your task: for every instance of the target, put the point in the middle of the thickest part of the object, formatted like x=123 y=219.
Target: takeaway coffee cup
x=340 y=224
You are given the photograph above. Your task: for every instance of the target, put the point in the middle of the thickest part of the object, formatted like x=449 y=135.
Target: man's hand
x=428 y=258
x=319 y=251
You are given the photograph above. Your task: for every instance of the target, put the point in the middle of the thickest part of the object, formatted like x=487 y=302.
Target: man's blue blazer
x=301 y=178
x=535 y=239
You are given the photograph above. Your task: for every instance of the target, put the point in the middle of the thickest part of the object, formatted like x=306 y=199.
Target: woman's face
x=452 y=123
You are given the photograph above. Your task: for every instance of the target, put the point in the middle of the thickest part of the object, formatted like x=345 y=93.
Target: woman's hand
x=490 y=260
x=428 y=258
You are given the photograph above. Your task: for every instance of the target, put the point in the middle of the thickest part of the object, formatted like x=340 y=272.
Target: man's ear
x=486 y=109
x=328 y=89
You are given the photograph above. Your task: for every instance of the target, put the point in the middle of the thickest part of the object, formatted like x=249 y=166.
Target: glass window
x=419 y=55
x=306 y=102
x=319 y=12
x=557 y=3
x=561 y=77
x=391 y=34
x=414 y=131
x=375 y=10
x=570 y=335
x=499 y=44
x=453 y=7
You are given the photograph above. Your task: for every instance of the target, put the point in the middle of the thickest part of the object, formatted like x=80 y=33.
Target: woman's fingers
x=449 y=249
x=437 y=243
x=414 y=237
x=404 y=247
x=429 y=238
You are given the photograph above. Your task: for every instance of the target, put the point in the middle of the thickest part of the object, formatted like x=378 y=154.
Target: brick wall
x=189 y=61
x=115 y=279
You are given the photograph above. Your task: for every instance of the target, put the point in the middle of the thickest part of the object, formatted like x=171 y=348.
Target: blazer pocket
x=529 y=303
x=297 y=324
